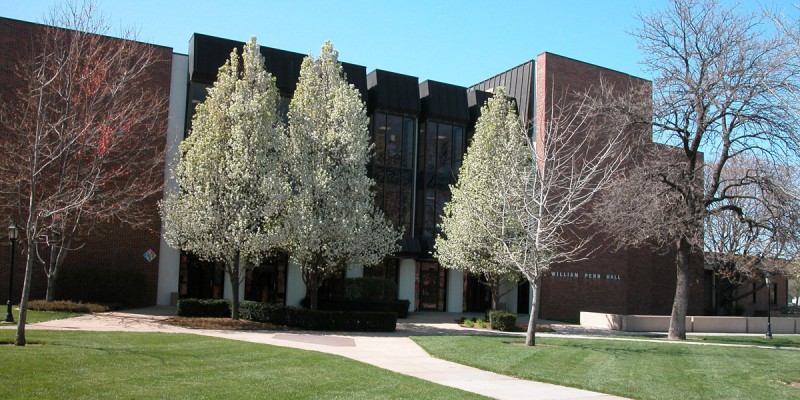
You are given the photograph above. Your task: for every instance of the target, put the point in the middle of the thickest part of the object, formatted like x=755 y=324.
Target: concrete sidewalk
x=392 y=351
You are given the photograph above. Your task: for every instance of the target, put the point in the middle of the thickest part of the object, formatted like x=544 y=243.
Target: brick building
x=110 y=245
x=420 y=131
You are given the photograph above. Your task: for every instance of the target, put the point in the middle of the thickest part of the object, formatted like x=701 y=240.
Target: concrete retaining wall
x=705 y=324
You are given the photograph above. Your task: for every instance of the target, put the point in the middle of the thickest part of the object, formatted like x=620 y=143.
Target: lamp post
x=768 y=280
x=13 y=234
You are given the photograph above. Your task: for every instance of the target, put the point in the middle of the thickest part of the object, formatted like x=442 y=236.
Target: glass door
x=432 y=281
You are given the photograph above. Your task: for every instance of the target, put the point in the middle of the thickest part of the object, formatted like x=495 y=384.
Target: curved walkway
x=392 y=351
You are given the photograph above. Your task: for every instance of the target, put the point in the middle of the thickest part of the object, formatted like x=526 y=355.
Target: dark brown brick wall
x=632 y=281
x=112 y=244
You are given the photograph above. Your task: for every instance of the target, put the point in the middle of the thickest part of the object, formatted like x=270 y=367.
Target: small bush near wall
x=210 y=308
x=105 y=285
x=790 y=310
x=502 y=320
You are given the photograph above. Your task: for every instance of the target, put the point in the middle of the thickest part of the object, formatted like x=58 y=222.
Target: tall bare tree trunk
x=312 y=279
x=52 y=274
x=235 y=270
x=677 y=322
x=494 y=288
x=26 y=290
x=530 y=335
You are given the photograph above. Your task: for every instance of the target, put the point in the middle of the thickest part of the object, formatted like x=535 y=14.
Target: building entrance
x=524 y=297
x=267 y=282
x=478 y=296
x=200 y=279
x=432 y=287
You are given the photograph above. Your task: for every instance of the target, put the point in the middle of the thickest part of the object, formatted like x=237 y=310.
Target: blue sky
x=460 y=42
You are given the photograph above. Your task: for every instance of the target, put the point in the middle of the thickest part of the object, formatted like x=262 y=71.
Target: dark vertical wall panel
x=208 y=53
x=519 y=84
x=444 y=101
x=393 y=92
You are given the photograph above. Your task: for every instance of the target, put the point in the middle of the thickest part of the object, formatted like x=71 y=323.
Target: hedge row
x=399 y=307
x=292 y=316
x=501 y=320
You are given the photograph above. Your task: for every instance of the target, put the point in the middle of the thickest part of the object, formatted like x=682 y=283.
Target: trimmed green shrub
x=104 y=285
x=341 y=320
x=261 y=312
x=501 y=320
x=209 y=308
x=319 y=320
x=399 y=307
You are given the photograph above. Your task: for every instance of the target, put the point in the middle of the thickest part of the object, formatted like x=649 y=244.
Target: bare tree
x=740 y=249
x=720 y=90
x=84 y=142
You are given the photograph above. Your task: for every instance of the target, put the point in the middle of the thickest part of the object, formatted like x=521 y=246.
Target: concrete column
x=406 y=281
x=510 y=298
x=455 y=290
x=228 y=291
x=169 y=258
x=295 y=288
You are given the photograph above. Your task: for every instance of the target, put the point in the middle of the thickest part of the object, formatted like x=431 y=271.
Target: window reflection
x=392 y=166
x=441 y=157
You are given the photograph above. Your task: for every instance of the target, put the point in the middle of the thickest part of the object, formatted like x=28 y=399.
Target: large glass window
x=392 y=166
x=441 y=155
x=385 y=270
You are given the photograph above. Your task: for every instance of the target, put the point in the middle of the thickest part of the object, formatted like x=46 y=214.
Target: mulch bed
x=223 y=324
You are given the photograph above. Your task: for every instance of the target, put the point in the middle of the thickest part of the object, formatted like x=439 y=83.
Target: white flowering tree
x=496 y=146
x=231 y=193
x=533 y=197
x=332 y=221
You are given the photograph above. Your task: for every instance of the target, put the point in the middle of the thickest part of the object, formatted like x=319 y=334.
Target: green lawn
x=97 y=365
x=39 y=316
x=631 y=369
x=749 y=340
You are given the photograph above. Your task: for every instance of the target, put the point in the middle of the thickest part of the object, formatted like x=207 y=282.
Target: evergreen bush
x=502 y=320
x=204 y=308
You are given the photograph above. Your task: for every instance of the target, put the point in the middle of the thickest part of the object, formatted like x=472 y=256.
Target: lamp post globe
x=768 y=281
x=13 y=235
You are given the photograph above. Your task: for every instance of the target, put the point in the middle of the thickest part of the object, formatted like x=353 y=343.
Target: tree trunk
x=530 y=335
x=57 y=255
x=26 y=290
x=312 y=289
x=494 y=288
x=52 y=273
x=235 y=271
x=677 y=322
x=51 y=287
